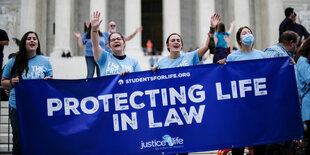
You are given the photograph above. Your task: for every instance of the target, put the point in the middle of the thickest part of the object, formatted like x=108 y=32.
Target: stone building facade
x=55 y=20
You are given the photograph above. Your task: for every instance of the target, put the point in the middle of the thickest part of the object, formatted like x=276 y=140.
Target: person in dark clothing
x=4 y=41
x=300 y=30
x=287 y=23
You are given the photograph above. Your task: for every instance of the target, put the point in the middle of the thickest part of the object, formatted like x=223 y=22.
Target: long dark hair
x=220 y=27
x=304 y=50
x=21 y=59
x=88 y=31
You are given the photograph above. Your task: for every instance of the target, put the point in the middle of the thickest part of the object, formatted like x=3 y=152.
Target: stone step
x=5 y=148
x=4 y=128
x=4 y=119
x=4 y=112
x=4 y=104
x=4 y=138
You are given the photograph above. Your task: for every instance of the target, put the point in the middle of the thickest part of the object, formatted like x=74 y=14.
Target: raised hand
x=215 y=19
x=139 y=29
x=95 y=20
x=77 y=34
x=233 y=23
x=87 y=24
x=227 y=39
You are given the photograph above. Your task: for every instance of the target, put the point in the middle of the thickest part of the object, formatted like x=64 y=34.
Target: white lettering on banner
x=51 y=108
x=133 y=122
x=151 y=98
x=152 y=124
x=152 y=94
x=167 y=141
x=244 y=86
x=118 y=101
x=92 y=100
x=72 y=107
x=105 y=99
x=174 y=117
x=158 y=77
x=121 y=100
x=258 y=86
x=180 y=96
x=132 y=100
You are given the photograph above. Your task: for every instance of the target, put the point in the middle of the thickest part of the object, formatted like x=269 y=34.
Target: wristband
x=11 y=83
x=95 y=30
x=212 y=30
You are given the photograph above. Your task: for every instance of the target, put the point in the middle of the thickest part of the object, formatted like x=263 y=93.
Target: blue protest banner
x=186 y=109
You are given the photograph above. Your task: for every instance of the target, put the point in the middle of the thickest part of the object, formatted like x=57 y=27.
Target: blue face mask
x=248 y=39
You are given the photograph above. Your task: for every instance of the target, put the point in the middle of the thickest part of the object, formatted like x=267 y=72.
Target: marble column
x=101 y=6
x=205 y=9
x=267 y=21
x=171 y=21
x=28 y=16
x=242 y=13
x=63 y=31
x=275 y=16
x=132 y=22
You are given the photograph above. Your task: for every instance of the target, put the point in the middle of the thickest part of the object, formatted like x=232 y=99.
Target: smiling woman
x=111 y=63
x=174 y=44
x=28 y=64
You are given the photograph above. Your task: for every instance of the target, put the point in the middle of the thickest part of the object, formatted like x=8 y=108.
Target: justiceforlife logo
x=167 y=142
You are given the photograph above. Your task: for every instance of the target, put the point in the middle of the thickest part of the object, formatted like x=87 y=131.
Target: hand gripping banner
x=186 y=109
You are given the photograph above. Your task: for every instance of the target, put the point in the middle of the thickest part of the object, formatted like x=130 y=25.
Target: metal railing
x=7 y=149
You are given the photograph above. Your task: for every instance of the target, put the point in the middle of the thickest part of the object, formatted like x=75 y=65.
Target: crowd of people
x=105 y=53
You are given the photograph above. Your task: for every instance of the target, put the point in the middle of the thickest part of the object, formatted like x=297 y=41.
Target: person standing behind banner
x=111 y=29
x=220 y=42
x=28 y=64
x=111 y=63
x=300 y=30
x=303 y=83
x=287 y=46
x=287 y=23
x=245 y=40
x=174 y=44
x=89 y=57
x=4 y=41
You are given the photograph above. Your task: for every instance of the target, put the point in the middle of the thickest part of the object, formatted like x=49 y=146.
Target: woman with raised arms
x=174 y=45
x=116 y=62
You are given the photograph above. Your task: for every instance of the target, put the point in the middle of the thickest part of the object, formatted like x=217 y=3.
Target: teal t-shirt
x=277 y=50
x=188 y=59
x=220 y=39
x=39 y=68
x=109 y=65
x=239 y=55
x=303 y=80
x=89 y=45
